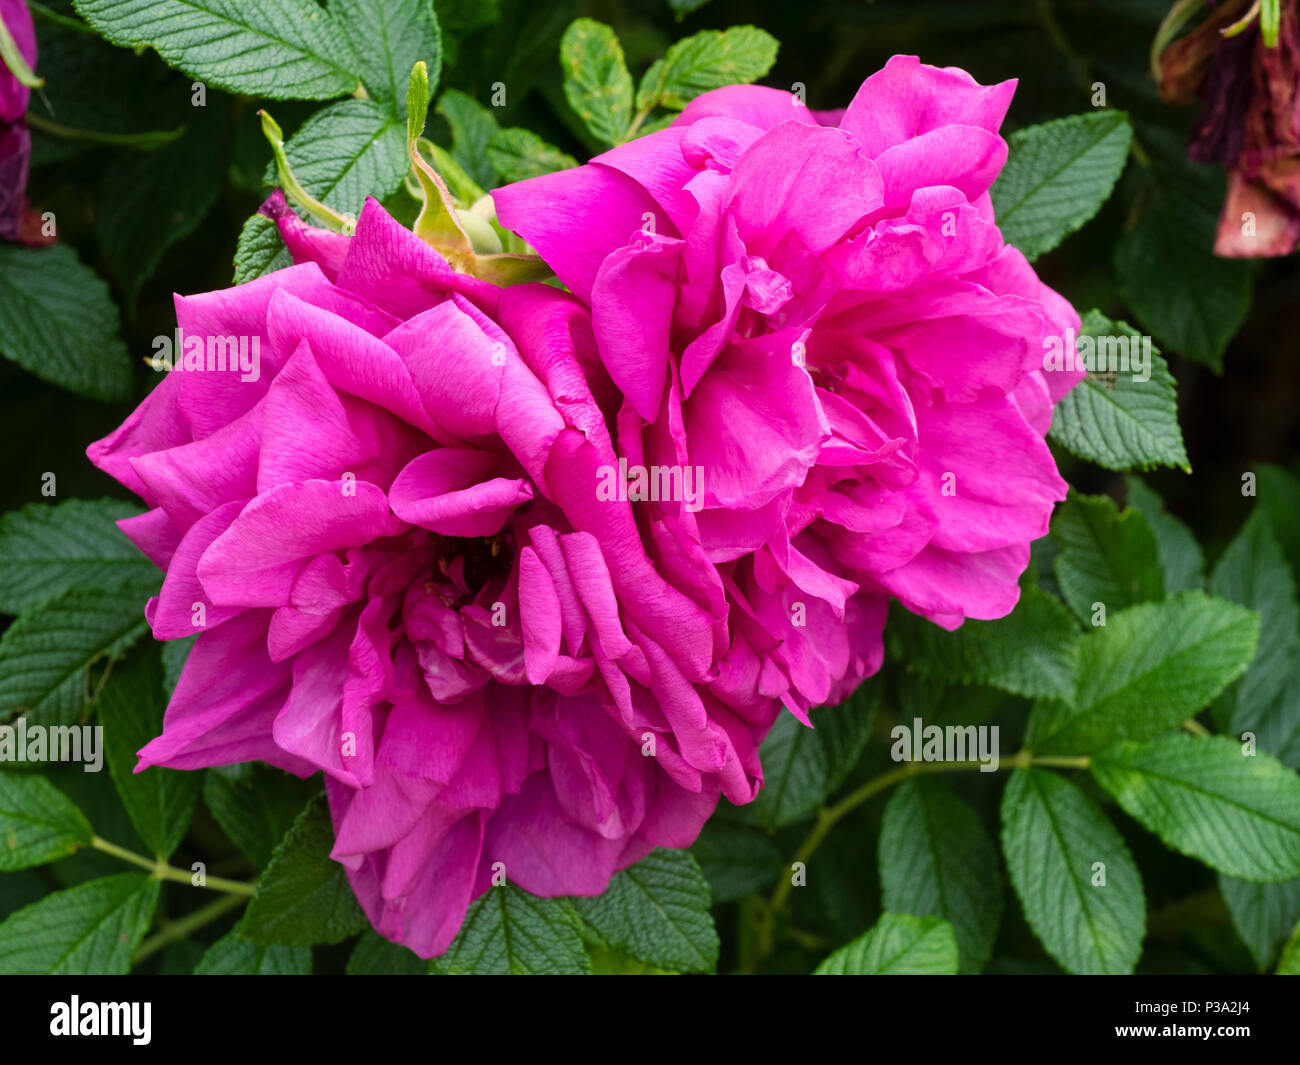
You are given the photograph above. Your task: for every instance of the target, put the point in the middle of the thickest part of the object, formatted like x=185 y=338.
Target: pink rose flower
x=385 y=518
x=825 y=318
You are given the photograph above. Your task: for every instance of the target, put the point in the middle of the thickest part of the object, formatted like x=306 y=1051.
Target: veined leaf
x=657 y=911
x=1114 y=419
x=1077 y=882
x=707 y=60
x=303 y=896
x=159 y=801
x=898 y=945
x=1105 y=557
x=45 y=549
x=1057 y=176
x=91 y=929
x=1206 y=797
x=596 y=80
x=508 y=932
x=285 y=50
x=1148 y=669
x=232 y=955
x=38 y=823
x=47 y=653
x=58 y=321
x=936 y=860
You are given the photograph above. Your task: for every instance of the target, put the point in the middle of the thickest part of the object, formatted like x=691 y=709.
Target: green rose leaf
x=58 y=321
x=707 y=60
x=284 y=50
x=1181 y=558
x=736 y=859
x=898 y=945
x=1191 y=300
x=1147 y=670
x=596 y=80
x=1076 y=880
x=256 y=805
x=1030 y=652
x=508 y=932
x=89 y=930
x=303 y=896
x=1263 y=914
x=38 y=823
x=658 y=911
x=232 y=955
x=376 y=956
x=342 y=154
x=159 y=801
x=397 y=34
x=47 y=653
x=936 y=860
x=519 y=154
x=1205 y=796
x=1057 y=176
x=1104 y=556
x=46 y=549
x=472 y=128
x=802 y=765
x=1266 y=701
x=1114 y=419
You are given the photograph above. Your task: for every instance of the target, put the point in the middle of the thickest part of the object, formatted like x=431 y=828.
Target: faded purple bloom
x=1249 y=124
x=15 y=141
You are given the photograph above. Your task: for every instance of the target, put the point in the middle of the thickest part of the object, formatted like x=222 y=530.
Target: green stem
x=637 y=123
x=162 y=871
x=828 y=817
x=41 y=11
x=1056 y=34
x=146 y=141
x=171 y=931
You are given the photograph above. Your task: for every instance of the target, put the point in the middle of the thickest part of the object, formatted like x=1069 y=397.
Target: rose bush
x=517 y=580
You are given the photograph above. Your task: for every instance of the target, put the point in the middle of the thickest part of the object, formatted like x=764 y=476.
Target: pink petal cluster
x=388 y=537
x=393 y=534
x=826 y=319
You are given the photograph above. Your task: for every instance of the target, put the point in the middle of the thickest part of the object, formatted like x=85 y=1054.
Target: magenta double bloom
x=801 y=354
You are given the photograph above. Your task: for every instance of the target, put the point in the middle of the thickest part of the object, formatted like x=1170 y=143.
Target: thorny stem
x=162 y=871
